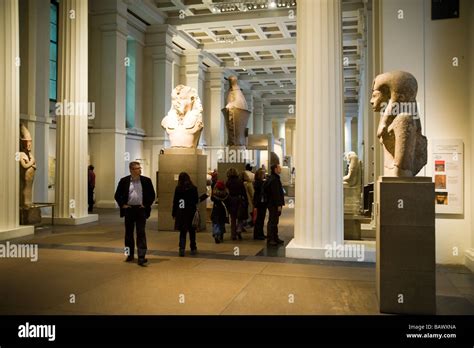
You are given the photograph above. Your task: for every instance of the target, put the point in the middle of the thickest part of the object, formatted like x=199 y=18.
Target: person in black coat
x=275 y=201
x=219 y=214
x=135 y=195
x=238 y=203
x=184 y=207
x=260 y=203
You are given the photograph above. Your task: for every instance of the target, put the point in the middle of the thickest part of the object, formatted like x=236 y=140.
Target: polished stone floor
x=80 y=270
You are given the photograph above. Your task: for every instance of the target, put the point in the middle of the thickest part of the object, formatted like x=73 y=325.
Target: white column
x=281 y=129
x=214 y=128
x=348 y=134
x=10 y=122
x=257 y=116
x=71 y=133
x=319 y=105
x=108 y=84
x=249 y=98
x=268 y=126
x=157 y=91
x=194 y=71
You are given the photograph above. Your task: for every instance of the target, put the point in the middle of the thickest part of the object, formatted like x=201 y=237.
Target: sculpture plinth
x=406 y=265
x=172 y=162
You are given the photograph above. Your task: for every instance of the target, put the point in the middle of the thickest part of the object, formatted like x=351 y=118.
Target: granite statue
x=399 y=130
x=353 y=176
x=236 y=114
x=27 y=167
x=183 y=123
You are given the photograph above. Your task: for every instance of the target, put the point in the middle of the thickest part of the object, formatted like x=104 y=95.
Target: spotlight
x=272 y=4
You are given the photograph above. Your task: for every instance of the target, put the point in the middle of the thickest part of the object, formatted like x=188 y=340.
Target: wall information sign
x=448 y=176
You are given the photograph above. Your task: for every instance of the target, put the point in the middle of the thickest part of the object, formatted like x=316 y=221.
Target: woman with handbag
x=184 y=210
x=237 y=203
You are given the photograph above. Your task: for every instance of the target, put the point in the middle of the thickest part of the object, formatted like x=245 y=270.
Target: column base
x=109 y=204
x=470 y=259
x=73 y=221
x=354 y=251
x=18 y=232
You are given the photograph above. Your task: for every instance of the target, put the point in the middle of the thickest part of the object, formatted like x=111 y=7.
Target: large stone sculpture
x=27 y=168
x=183 y=123
x=405 y=148
x=353 y=174
x=236 y=114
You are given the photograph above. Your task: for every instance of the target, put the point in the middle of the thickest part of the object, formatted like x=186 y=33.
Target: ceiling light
x=272 y=4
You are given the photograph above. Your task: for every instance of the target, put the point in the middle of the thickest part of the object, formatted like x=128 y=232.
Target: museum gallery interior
x=363 y=110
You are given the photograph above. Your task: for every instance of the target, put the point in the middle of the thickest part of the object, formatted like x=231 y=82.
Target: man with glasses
x=135 y=195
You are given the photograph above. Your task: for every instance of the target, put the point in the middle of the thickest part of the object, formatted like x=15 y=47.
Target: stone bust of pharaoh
x=399 y=130
x=27 y=167
x=183 y=123
x=352 y=178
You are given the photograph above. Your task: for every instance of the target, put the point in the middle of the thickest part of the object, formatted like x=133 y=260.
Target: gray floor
x=85 y=263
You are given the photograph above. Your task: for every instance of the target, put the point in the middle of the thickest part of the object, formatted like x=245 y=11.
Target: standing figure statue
x=236 y=114
x=353 y=176
x=183 y=123
x=27 y=168
x=405 y=148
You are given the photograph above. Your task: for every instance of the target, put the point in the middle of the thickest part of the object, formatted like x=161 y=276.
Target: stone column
x=10 y=122
x=319 y=105
x=281 y=129
x=268 y=126
x=108 y=84
x=193 y=71
x=257 y=116
x=249 y=98
x=214 y=127
x=159 y=58
x=71 y=133
x=348 y=134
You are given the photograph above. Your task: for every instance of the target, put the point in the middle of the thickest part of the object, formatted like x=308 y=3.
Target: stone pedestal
x=406 y=268
x=352 y=200
x=223 y=167
x=171 y=163
x=30 y=216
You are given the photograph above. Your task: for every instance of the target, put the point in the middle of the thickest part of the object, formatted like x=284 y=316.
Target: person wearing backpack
x=275 y=201
x=260 y=204
x=219 y=214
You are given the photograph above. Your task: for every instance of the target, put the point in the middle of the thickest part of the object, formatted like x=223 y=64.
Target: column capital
x=160 y=35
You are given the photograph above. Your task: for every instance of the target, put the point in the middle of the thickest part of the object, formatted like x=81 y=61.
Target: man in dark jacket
x=275 y=202
x=135 y=195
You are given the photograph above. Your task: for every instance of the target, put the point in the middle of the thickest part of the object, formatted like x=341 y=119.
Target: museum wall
x=415 y=43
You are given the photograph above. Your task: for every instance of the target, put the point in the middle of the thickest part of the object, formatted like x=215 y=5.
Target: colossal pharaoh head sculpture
x=183 y=123
x=399 y=131
x=236 y=114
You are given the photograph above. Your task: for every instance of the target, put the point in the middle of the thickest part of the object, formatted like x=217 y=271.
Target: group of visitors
x=248 y=195
x=240 y=201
